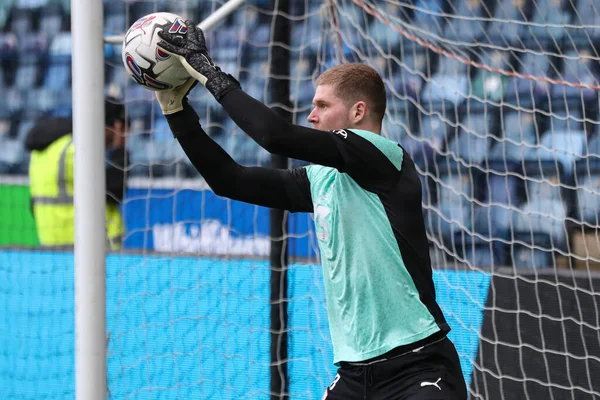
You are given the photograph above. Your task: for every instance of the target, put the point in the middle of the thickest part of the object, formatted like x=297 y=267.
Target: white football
x=147 y=64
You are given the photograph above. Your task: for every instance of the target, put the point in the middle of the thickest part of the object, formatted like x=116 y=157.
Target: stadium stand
x=431 y=99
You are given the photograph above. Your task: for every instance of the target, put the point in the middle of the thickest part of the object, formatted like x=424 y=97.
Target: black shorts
x=433 y=372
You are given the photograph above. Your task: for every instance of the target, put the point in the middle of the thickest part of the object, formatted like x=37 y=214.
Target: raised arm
x=275 y=188
x=365 y=158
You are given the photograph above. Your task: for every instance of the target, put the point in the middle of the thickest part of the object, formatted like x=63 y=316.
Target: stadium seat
x=449 y=83
x=115 y=23
x=429 y=139
x=40 y=101
x=30 y=4
x=383 y=39
x=492 y=217
x=58 y=73
x=593 y=146
x=526 y=92
x=540 y=218
x=255 y=45
x=15 y=101
x=431 y=16
x=64 y=106
x=564 y=141
x=468 y=23
x=52 y=19
x=58 y=77
x=549 y=17
x=12 y=148
x=408 y=80
x=472 y=139
x=520 y=137
x=451 y=216
x=588 y=14
x=588 y=191
x=26 y=76
x=508 y=25
x=225 y=47
x=578 y=67
x=21 y=21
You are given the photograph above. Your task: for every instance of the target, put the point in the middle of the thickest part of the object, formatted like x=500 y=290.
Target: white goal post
x=89 y=196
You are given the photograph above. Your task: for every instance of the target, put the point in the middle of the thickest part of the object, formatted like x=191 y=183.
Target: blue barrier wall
x=184 y=327
x=170 y=220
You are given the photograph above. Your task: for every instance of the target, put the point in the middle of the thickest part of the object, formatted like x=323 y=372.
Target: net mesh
x=496 y=101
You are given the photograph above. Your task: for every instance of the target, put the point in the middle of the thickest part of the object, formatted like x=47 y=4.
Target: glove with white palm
x=190 y=49
x=173 y=100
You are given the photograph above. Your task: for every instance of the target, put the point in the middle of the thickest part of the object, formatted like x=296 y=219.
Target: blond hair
x=355 y=82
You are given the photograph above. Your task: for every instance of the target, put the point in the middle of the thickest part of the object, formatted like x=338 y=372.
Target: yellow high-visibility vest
x=51 y=189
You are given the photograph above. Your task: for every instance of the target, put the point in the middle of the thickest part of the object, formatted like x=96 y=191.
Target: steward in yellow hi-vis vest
x=51 y=178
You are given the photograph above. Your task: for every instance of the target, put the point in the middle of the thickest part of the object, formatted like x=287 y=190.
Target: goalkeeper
x=388 y=332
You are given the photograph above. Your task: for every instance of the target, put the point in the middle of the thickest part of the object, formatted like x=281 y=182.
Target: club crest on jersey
x=178 y=27
x=341 y=132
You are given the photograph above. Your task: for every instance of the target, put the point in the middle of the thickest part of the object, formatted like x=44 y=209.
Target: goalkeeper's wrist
x=221 y=83
x=181 y=122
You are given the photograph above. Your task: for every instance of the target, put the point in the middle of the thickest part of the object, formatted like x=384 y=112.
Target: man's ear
x=358 y=112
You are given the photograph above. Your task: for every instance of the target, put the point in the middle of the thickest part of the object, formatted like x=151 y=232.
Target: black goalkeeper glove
x=190 y=49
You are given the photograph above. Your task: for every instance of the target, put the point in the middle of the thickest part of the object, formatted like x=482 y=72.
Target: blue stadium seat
x=564 y=141
x=449 y=83
x=588 y=191
x=58 y=77
x=487 y=246
x=431 y=16
x=451 y=216
x=469 y=29
x=12 y=153
x=21 y=21
x=52 y=19
x=40 y=101
x=540 y=219
x=15 y=100
x=550 y=16
x=502 y=30
x=115 y=24
x=255 y=46
x=525 y=91
x=64 y=105
x=429 y=140
x=578 y=67
x=303 y=38
x=520 y=137
x=225 y=46
x=588 y=14
x=408 y=80
x=58 y=74
x=384 y=38
x=472 y=139
x=26 y=76
x=138 y=102
x=593 y=147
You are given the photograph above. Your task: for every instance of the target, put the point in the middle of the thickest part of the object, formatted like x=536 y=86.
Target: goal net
x=496 y=101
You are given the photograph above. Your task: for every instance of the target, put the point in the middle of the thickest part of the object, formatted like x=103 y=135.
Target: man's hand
x=190 y=49
x=171 y=101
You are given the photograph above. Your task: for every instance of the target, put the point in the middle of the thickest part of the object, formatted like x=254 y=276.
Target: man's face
x=329 y=111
